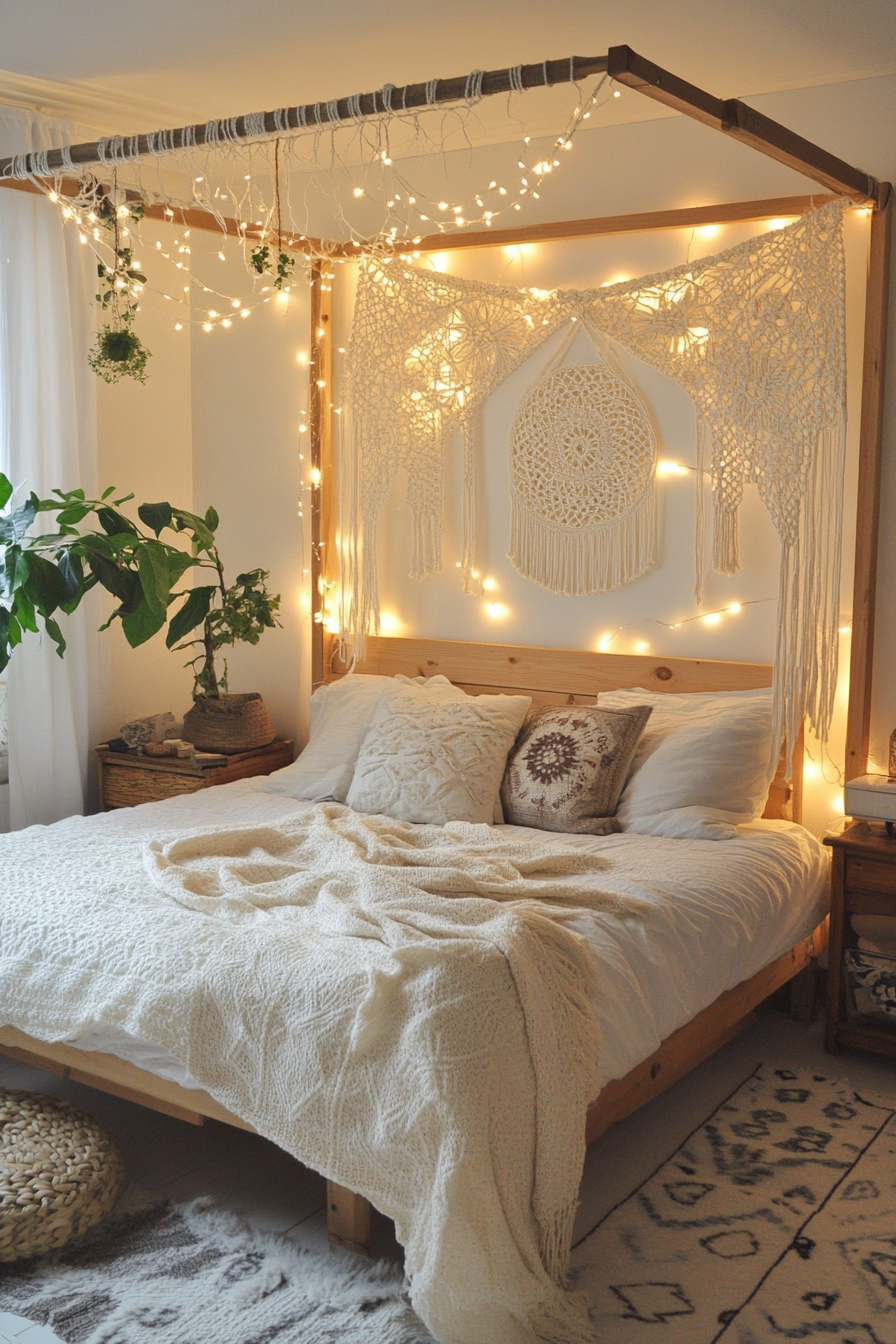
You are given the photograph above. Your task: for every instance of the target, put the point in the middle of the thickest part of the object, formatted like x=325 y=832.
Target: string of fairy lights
x=363 y=174
x=251 y=210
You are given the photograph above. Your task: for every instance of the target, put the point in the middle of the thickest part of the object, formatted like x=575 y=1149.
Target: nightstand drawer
x=871 y=875
x=126 y=787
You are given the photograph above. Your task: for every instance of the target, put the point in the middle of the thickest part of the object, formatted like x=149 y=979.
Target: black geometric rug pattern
x=774 y=1221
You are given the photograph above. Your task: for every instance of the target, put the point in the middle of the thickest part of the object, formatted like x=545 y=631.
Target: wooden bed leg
x=804 y=994
x=348 y=1218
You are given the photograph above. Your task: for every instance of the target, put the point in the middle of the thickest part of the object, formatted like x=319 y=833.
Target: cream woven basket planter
x=60 y=1173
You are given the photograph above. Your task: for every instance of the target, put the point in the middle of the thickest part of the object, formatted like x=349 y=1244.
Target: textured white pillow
x=430 y=759
x=701 y=767
x=341 y=713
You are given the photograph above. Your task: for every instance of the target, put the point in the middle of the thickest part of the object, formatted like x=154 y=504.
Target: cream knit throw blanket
x=436 y=1055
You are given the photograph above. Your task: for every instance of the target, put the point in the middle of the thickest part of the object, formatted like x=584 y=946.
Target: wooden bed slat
x=698 y=1039
x=108 y=1073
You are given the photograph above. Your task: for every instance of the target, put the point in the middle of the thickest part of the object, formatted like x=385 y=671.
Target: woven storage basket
x=229 y=723
x=60 y=1173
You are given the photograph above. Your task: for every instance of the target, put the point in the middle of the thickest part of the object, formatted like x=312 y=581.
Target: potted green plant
x=95 y=543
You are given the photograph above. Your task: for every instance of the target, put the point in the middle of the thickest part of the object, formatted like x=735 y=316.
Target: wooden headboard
x=569 y=677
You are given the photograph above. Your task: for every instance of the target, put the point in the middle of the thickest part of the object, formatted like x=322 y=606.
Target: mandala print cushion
x=568 y=767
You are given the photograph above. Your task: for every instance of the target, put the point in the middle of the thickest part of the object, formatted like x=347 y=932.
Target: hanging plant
x=118 y=351
x=260 y=256
x=260 y=261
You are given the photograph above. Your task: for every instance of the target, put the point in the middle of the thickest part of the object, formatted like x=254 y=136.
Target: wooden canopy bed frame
x=549 y=676
x=556 y=675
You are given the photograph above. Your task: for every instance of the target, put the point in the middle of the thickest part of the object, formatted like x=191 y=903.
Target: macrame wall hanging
x=755 y=335
x=582 y=463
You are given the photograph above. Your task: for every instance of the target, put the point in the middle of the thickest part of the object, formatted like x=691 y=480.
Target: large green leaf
x=23 y=610
x=121 y=583
x=5 y=490
x=178 y=564
x=56 y=635
x=44 y=585
x=14 y=525
x=155 y=516
x=192 y=613
x=16 y=568
x=72 y=571
x=190 y=522
x=72 y=514
x=111 y=521
x=141 y=624
x=152 y=561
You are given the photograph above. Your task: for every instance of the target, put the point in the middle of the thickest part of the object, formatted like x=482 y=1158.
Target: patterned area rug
x=186 y=1274
x=774 y=1221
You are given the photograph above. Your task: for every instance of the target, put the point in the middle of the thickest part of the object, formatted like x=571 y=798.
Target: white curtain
x=47 y=439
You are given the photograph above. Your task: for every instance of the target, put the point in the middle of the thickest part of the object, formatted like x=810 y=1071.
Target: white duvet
x=720 y=911
x=710 y=914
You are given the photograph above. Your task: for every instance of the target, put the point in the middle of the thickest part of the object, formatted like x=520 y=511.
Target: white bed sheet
x=720 y=911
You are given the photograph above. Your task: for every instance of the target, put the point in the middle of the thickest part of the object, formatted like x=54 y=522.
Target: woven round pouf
x=60 y=1173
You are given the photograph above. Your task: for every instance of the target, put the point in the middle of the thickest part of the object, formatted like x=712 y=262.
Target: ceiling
x=138 y=66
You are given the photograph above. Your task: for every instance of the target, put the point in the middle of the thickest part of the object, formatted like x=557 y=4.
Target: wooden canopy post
x=861 y=663
x=321 y=376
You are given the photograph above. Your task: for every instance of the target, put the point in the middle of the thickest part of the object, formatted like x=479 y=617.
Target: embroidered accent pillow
x=430 y=759
x=568 y=767
x=341 y=713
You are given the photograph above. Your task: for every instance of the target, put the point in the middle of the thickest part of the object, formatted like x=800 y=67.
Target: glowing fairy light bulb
x=641 y=646
x=358 y=191
x=711 y=618
x=734 y=608
x=178 y=326
x=315 y=476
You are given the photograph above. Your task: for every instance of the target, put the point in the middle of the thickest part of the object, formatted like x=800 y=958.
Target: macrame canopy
x=755 y=335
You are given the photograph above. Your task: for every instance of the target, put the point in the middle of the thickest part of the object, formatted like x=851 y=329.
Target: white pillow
x=701 y=767
x=430 y=759
x=341 y=713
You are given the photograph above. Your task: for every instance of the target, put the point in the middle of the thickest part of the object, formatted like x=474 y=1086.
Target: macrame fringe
x=596 y=560
x=807 y=644
x=725 y=546
x=426 y=545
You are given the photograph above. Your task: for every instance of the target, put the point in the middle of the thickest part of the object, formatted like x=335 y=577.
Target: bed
x=719 y=961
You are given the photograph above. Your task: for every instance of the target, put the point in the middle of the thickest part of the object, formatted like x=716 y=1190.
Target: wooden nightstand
x=126 y=781
x=863 y=882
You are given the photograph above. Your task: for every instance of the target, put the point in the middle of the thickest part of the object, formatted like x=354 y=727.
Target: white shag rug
x=774 y=1221
x=190 y=1274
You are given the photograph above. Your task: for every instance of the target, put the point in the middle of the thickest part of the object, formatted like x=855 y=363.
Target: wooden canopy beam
x=408 y=98
x=743 y=123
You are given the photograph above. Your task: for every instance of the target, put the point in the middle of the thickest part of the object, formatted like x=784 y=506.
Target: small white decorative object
x=872 y=797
